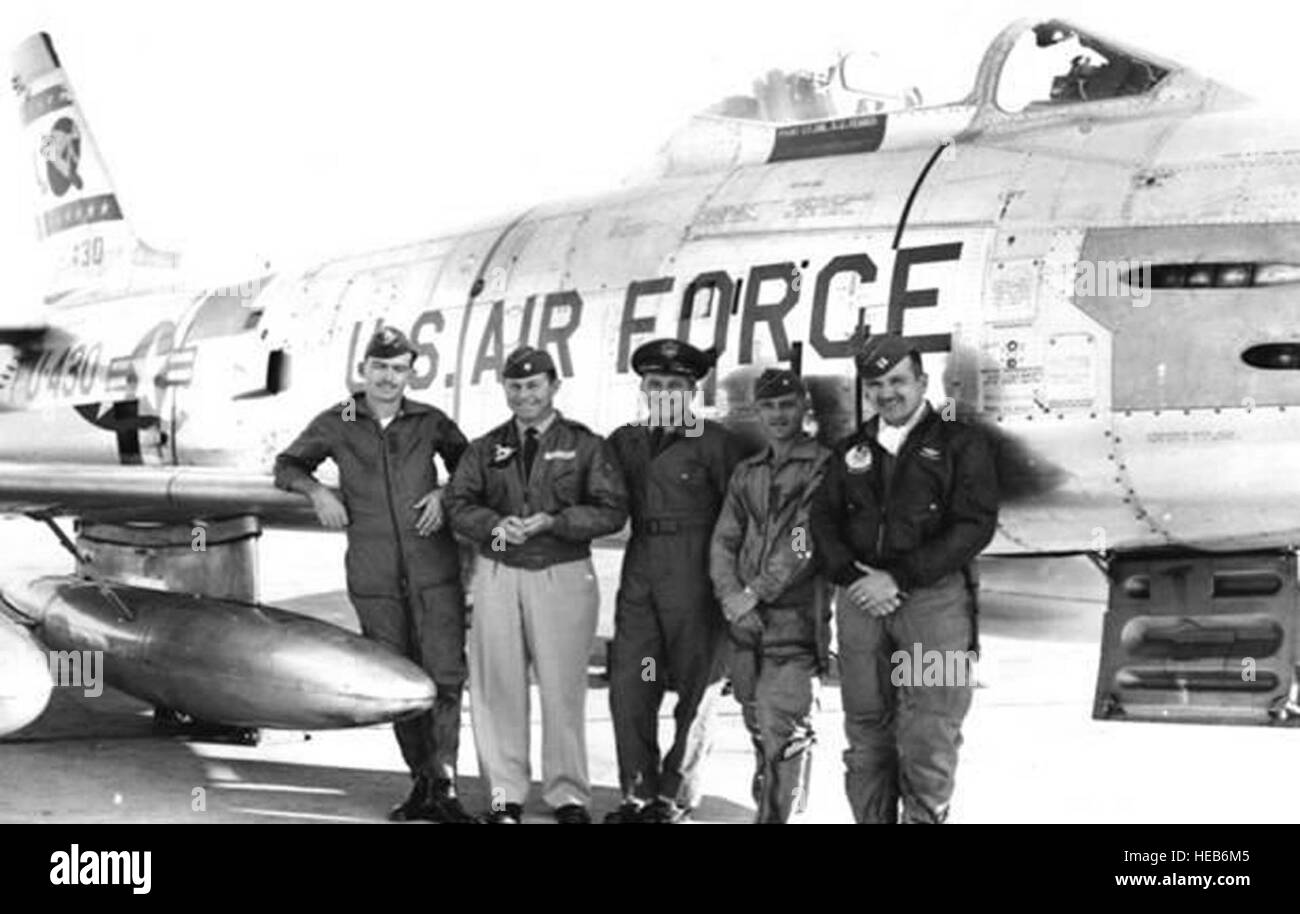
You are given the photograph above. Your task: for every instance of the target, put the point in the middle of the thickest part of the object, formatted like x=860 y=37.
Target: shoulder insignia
x=858 y=460
x=501 y=455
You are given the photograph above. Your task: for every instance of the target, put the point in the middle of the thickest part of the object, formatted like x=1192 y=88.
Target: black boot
x=414 y=806
x=443 y=806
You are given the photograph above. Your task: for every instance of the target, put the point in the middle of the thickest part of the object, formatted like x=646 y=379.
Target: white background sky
x=239 y=129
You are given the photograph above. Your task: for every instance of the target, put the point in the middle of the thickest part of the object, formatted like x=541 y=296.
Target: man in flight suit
x=763 y=575
x=403 y=567
x=667 y=624
x=532 y=494
x=908 y=501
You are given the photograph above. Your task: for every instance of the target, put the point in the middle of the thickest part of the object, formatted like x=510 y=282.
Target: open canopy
x=1031 y=64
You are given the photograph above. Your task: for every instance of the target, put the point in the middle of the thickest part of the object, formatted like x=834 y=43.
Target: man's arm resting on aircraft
x=296 y=463
x=603 y=506
x=971 y=519
x=294 y=467
x=463 y=498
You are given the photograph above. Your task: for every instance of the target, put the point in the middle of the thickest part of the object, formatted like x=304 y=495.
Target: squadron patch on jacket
x=930 y=453
x=501 y=456
x=858 y=460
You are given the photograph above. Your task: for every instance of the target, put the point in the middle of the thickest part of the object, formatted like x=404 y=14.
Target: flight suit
x=667 y=624
x=922 y=516
x=405 y=587
x=762 y=542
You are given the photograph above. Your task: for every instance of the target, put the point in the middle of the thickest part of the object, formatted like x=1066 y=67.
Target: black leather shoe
x=572 y=814
x=628 y=813
x=444 y=807
x=414 y=806
x=511 y=814
x=663 y=812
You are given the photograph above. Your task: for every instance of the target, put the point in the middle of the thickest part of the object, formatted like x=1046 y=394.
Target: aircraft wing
x=162 y=494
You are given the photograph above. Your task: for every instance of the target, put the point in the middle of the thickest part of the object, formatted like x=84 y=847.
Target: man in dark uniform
x=908 y=501
x=667 y=623
x=403 y=567
x=763 y=574
x=532 y=494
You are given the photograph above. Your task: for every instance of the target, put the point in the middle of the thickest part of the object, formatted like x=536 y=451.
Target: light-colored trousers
x=547 y=618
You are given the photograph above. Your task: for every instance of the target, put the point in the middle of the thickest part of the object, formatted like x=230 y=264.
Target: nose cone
x=382 y=686
x=25 y=682
x=350 y=681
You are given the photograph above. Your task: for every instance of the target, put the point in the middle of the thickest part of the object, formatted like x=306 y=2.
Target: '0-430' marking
x=64 y=371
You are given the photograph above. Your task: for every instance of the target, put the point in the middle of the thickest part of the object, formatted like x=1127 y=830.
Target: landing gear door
x=1200 y=638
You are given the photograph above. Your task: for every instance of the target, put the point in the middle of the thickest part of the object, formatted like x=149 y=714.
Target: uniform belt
x=662 y=526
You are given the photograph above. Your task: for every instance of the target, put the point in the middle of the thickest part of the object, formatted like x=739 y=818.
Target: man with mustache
x=403 y=567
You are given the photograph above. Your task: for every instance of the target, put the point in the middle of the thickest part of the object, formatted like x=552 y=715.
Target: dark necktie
x=530 y=451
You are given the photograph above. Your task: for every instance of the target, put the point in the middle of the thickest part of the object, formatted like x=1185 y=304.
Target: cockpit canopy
x=1029 y=66
x=1054 y=63
x=1032 y=71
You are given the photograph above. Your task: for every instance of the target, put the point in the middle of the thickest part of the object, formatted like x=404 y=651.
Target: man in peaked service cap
x=667 y=625
x=403 y=567
x=532 y=494
x=673 y=357
x=909 y=500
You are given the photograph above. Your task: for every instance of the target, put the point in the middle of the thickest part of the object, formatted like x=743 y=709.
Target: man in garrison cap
x=909 y=500
x=532 y=494
x=667 y=625
x=403 y=566
x=774 y=603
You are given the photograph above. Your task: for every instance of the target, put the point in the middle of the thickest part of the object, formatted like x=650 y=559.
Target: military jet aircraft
x=1095 y=249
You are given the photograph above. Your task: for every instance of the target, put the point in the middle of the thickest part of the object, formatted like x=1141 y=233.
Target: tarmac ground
x=1032 y=751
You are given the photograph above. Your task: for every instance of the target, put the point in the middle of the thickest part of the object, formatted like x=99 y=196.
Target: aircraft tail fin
x=79 y=220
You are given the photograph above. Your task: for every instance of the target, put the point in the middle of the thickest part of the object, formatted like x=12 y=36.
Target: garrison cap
x=389 y=343
x=526 y=361
x=777 y=382
x=670 y=356
x=880 y=353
